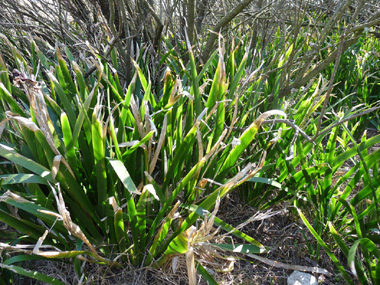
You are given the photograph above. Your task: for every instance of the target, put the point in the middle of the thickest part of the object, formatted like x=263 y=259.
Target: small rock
x=300 y=278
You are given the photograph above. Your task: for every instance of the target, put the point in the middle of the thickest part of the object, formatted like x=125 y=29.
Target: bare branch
x=325 y=131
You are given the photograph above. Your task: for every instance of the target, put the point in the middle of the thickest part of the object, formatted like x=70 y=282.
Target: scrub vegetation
x=126 y=126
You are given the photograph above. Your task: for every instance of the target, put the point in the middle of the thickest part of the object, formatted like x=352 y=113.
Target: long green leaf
x=10 y=154
x=326 y=248
x=98 y=145
x=20 y=178
x=195 y=84
x=207 y=276
x=360 y=270
x=368 y=245
x=32 y=274
x=245 y=140
x=123 y=175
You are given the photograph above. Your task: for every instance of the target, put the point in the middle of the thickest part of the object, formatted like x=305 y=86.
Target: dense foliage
x=99 y=168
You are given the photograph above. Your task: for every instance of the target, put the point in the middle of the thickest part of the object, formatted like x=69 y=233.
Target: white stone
x=300 y=278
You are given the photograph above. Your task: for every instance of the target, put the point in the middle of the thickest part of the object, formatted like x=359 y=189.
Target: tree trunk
x=221 y=24
x=190 y=20
x=201 y=12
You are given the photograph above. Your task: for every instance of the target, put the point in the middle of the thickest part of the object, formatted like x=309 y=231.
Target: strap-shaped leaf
x=245 y=140
x=32 y=274
x=123 y=175
x=326 y=248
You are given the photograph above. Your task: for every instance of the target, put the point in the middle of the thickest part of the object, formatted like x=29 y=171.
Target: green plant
x=109 y=177
x=323 y=178
x=357 y=82
x=319 y=173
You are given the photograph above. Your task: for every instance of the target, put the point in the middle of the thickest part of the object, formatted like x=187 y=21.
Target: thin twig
x=290 y=266
x=291 y=149
x=107 y=52
x=281 y=121
x=347 y=119
x=331 y=84
x=18 y=25
x=290 y=124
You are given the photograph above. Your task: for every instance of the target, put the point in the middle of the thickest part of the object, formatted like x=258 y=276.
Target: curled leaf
x=266 y=115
